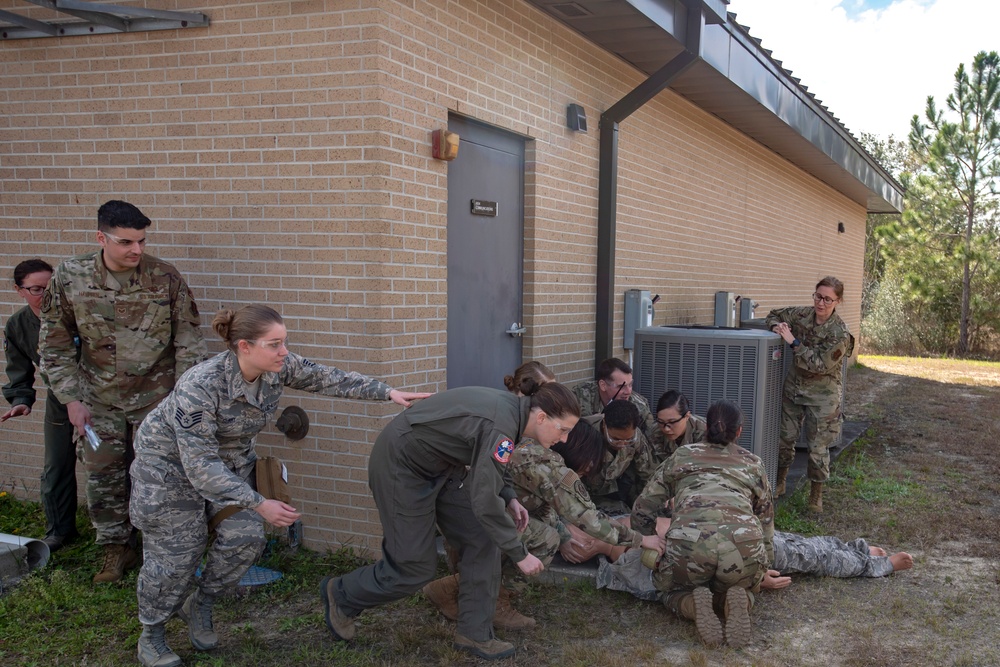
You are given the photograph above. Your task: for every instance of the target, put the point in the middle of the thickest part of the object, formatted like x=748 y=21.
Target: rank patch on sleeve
x=188 y=419
x=503 y=451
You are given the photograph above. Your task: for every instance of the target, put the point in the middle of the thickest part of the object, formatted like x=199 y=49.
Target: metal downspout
x=607 y=194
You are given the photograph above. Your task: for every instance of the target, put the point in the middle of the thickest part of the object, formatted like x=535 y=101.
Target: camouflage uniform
x=555 y=496
x=589 y=396
x=634 y=465
x=721 y=532
x=826 y=556
x=194 y=455
x=58 y=485
x=135 y=340
x=813 y=386
x=822 y=556
x=695 y=432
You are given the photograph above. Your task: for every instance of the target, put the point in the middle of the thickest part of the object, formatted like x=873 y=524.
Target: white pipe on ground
x=16 y=547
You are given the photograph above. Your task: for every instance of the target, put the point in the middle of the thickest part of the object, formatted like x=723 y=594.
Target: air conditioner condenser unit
x=707 y=364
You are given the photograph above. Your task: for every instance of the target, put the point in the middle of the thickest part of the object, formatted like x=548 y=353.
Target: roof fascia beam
x=98 y=19
x=30 y=24
x=95 y=17
x=131 y=11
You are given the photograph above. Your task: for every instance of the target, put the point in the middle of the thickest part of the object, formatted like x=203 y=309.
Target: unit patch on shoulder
x=503 y=451
x=188 y=419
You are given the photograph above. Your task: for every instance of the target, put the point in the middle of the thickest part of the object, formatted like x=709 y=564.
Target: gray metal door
x=485 y=254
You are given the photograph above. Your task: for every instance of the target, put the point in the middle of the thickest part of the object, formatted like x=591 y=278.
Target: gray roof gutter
x=607 y=196
x=697 y=49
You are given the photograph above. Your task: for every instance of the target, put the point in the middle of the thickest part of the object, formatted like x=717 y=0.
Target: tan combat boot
x=197 y=613
x=443 y=594
x=117 y=559
x=697 y=607
x=507 y=617
x=779 y=487
x=816 y=497
x=737 y=613
x=153 y=649
x=490 y=649
x=340 y=624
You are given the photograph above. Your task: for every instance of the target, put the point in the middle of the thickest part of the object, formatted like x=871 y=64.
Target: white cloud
x=873 y=68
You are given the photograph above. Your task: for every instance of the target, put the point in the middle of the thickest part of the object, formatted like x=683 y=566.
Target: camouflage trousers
x=819 y=413
x=709 y=557
x=173 y=518
x=108 y=484
x=542 y=541
x=826 y=556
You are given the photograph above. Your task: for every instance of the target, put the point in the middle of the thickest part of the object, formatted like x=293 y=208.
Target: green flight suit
x=417 y=474
x=58 y=486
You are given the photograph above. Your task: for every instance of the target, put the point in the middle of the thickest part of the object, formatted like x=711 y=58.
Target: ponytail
x=724 y=421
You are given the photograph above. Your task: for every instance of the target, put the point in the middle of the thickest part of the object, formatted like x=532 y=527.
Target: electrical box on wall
x=726 y=309
x=638 y=314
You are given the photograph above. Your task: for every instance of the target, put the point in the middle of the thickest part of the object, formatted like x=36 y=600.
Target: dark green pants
x=412 y=498
x=59 y=472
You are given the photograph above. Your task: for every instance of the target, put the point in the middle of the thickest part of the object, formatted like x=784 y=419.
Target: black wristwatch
x=795 y=343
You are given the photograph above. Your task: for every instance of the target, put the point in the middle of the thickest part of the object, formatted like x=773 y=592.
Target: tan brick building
x=283 y=152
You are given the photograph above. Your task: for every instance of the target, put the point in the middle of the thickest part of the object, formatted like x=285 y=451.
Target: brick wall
x=283 y=155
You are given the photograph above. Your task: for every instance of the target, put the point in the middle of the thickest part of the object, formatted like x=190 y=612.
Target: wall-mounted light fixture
x=444 y=144
x=840 y=228
x=576 y=118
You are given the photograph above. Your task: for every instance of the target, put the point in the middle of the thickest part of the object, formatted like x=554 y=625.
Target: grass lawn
x=925 y=478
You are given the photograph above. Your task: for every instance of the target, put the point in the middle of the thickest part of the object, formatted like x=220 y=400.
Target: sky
x=874 y=62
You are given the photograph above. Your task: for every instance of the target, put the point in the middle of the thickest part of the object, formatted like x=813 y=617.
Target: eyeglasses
x=620 y=387
x=667 y=423
x=125 y=243
x=819 y=298
x=562 y=429
x=272 y=345
x=33 y=290
x=621 y=442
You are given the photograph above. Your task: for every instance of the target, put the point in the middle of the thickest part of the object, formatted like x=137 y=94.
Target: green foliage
x=861 y=473
x=932 y=274
x=792 y=514
x=948 y=238
x=886 y=326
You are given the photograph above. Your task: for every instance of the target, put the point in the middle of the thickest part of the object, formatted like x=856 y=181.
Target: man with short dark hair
x=614 y=381
x=138 y=329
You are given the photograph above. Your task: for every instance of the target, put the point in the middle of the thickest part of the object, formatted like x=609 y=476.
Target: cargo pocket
x=148 y=497
x=410 y=540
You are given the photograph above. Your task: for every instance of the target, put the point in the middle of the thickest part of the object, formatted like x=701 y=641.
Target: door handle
x=516 y=330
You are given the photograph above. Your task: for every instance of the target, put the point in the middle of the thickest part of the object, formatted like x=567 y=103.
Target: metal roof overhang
x=738 y=81
x=95 y=19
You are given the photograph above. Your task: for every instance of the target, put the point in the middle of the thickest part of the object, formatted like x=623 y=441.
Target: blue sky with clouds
x=856 y=7
x=874 y=62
